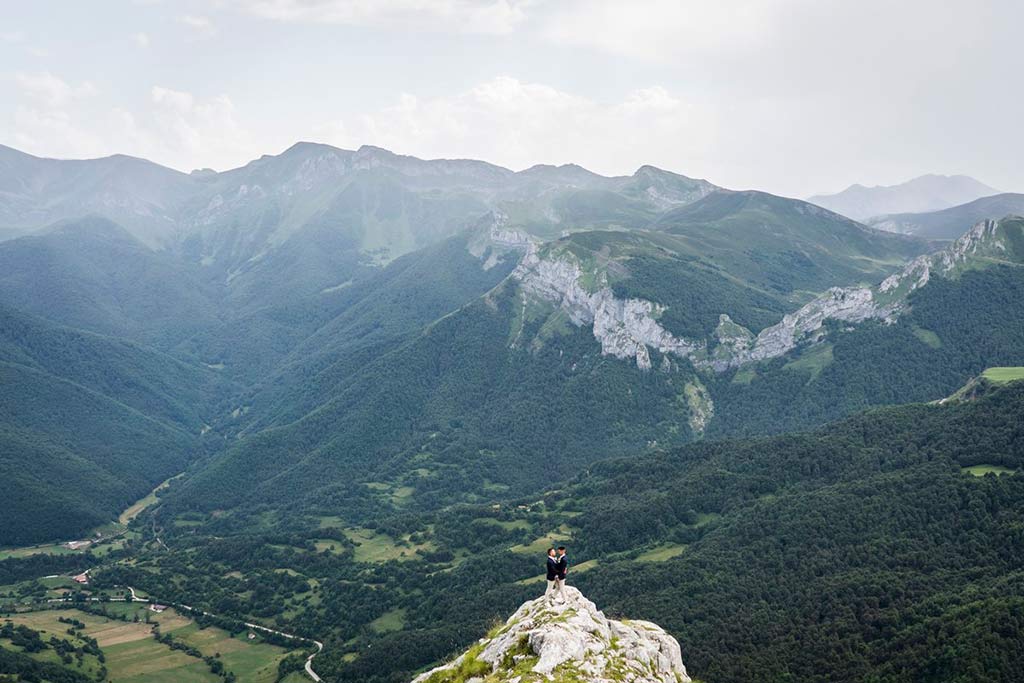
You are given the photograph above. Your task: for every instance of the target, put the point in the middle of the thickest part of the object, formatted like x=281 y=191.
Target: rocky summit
x=567 y=642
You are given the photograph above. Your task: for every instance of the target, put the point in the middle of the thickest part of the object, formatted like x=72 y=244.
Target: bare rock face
x=629 y=328
x=571 y=642
x=625 y=327
x=850 y=304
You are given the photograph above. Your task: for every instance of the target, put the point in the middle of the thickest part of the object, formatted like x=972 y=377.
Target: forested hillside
x=867 y=548
x=785 y=245
x=451 y=412
x=479 y=401
x=948 y=223
x=90 y=273
x=953 y=330
x=87 y=425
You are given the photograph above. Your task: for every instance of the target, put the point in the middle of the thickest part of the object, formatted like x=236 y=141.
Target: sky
x=794 y=97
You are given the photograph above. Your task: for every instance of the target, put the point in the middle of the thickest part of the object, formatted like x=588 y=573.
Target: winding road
x=255 y=627
x=265 y=629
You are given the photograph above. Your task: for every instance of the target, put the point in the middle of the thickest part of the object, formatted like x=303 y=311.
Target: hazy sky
x=791 y=96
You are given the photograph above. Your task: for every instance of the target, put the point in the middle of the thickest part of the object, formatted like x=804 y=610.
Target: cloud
x=183 y=129
x=173 y=127
x=50 y=90
x=666 y=30
x=518 y=124
x=44 y=122
x=141 y=39
x=54 y=132
x=201 y=27
x=460 y=16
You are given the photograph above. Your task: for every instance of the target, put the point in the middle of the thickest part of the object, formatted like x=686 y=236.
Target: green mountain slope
x=924 y=193
x=461 y=409
x=482 y=397
x=785 y=245
x=952 y=328
x=381 y=204
x=142 y=196
x=870 y=521
x=948 y=223
x=91 y=274
x=365 y=319
x=864 y=548
x=147 y=381
x=87 y=425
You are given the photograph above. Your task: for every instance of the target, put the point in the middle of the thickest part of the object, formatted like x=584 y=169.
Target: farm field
x=373 y=547
x=132 y=655
x=133 y=510
x=662 y=553
x=982 y=470
x=1004 y=375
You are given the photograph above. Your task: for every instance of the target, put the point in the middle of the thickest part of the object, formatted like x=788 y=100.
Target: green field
x=539 y=545
x=812 y=361
x=373 y=547
x=928 y=337
x=1003 y=375
x=49 y=549
x=134 y=656
x=138 y=506
x=982 y=470
x=389 y=621
x=661 y=553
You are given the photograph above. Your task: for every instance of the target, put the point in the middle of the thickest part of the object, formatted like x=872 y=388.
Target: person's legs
x=558 y=590
x=549 y=594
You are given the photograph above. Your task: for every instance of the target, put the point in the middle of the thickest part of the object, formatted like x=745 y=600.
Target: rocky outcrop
x=570 y=642
x=493 y=240
x=629 y=328
x=626 y=328
x=849 y=304
x=852 y=304
x=700 y=405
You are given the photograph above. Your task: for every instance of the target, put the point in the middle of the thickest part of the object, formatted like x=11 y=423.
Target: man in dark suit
x=554 y=588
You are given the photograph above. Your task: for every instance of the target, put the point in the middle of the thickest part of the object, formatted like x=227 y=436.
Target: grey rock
x=542 y=640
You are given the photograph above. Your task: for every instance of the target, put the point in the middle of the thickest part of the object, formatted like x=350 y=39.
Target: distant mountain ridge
x=924 y=193
x=234 y=218
x=606 y=319
x=948 y=223
x=441 y=326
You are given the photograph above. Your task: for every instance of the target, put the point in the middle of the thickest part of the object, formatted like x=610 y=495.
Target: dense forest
x=953 y=330
x=76 y=411
x=370 y=441
x=864 y=548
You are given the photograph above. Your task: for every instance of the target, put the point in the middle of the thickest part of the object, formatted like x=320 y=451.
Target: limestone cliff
x=626 y=328
x=629 y=328
x=570 y=642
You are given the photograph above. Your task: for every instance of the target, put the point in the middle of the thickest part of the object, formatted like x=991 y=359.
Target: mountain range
x=368 y=369
x=947 y=224
x=439 y=327
x=922 y=194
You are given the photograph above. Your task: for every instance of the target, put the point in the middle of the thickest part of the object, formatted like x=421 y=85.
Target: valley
x=310 y=397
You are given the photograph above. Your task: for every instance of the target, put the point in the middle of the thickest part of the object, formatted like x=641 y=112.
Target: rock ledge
x=570 y=642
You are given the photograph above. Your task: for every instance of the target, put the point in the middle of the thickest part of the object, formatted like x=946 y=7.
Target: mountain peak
x=307 y=146
x=567 y=641
x=929 y=192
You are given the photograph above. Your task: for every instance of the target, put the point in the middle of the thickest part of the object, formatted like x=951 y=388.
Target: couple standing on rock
x=558 y=567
